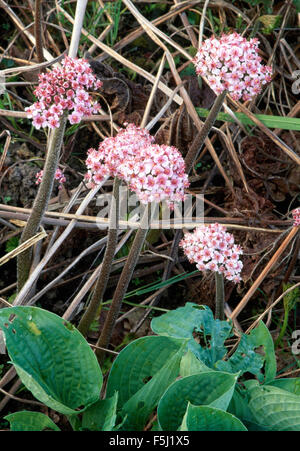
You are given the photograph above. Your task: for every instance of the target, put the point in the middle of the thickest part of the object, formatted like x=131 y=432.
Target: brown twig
x=264 y=273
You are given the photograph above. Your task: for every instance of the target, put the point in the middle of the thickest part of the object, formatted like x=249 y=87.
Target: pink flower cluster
x=296 y=217
x=232 y=63
x=59 y=175
x=64 y=89
x=155 y=173
x=213 y=249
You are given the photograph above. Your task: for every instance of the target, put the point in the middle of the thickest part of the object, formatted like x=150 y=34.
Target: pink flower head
x=213 y=249
x=113 y=152
x=59 y=176
x=156 y=183
x=232 y=63
x=153 y=172
x=296 y=217
x=64 y=89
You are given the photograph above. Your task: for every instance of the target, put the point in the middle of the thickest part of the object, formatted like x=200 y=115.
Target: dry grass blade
x=22 y=247
x=267 y=310
x=179 y=8
x=148 y=25
x=33 y=66
x=22 y=295
x=4 y=302
x=268 y=132
x=106 y=29
x=152 y=94
x=90 y=282
x=5 y=148
x=22 y=28
x=123 y=60
x=264 y=273
x=151 y=30
x=173 y=224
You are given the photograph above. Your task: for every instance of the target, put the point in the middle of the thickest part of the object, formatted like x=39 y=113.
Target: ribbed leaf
x=275 y=409
x=101 y=416
x=206 y=418
x=52 y=358
x=138 y=408
x=138 y=363
x=213 y=388
x=291 y=384
x=30 y=421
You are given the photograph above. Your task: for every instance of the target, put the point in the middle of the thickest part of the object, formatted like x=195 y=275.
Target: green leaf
x=184 y=321
x=30 y=421
x=239 y=404
x=246 y=359
x=291 y=384
x=206 y=418
x=52 y=358
x=139 y=407
x=139 y=362
x=213 y=388
x=190 y=365
x=282 y=122
x=275 y=409
x=12 y=244
x=101 y=416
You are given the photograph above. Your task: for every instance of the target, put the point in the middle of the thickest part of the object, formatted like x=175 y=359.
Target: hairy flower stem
x=203 y=133
x=41 y=201
x=38 y=30
x=122 y=285
x=96 y=300
x=219 y=312
x=52 y=158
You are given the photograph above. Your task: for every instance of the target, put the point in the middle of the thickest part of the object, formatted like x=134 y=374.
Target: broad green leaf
x=275 y=409
x=52 y=358
x=206 y=418
x=291 y=384
x=101 y=416
x=139 y=362
x=246 y=359
x=30 y=421
x=184 y=321
x=212 y=388
x=179 y=323
x=190 y=365
x=139 y=407
x=239 y=407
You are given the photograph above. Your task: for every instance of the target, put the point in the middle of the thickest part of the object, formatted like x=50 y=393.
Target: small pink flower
x=39 y=121
x=59 y=175
x=53 y=122
x=75 y=118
